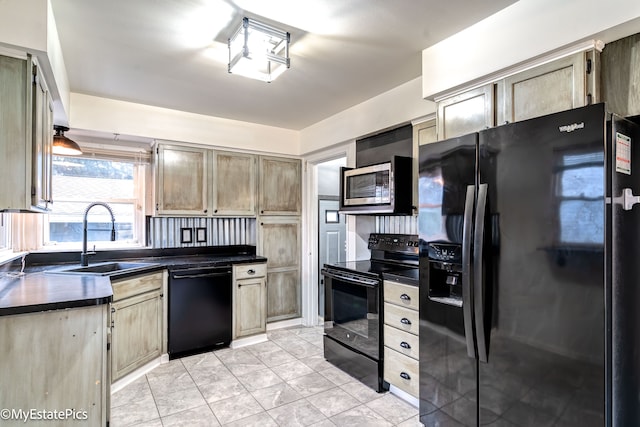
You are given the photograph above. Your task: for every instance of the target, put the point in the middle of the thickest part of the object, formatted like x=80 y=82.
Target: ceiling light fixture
x=259 y=51
x=63 y=145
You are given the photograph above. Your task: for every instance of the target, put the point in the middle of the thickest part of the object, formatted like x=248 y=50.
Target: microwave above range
x=384 y=188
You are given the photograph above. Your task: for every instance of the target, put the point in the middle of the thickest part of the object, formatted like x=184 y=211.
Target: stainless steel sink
x=106 y=269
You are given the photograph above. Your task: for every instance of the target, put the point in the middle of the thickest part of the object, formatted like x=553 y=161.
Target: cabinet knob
x=251 y=271
x=405 y=321
x=215 y=211
x=261 y=212
x=405 y=297
x=405 y=376
x=405 y=344
x=205 y=211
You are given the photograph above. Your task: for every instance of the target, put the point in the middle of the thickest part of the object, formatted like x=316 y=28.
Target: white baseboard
x=143 y=370
x=404 y=396
x=284 y=324
x=253 y=339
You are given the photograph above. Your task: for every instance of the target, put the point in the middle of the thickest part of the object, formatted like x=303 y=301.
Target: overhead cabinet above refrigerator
x=528 y=269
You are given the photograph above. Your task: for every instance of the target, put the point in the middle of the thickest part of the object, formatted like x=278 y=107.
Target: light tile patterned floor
x=282 y=382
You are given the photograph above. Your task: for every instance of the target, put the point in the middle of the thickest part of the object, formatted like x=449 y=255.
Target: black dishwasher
x=199 y=309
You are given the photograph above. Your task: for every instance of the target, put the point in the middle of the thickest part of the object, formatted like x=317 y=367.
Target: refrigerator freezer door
x=624 y=237
x=544 y=293
x=447 y=373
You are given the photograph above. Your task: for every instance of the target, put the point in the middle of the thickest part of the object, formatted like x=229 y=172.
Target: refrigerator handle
x=467 y=297
x=478 y=280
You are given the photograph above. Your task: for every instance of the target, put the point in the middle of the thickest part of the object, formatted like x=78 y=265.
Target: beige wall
x=126 y=118
x=389 y=109
x=525 y=30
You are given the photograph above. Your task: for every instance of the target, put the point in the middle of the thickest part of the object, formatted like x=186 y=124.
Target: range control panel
x=404 y=243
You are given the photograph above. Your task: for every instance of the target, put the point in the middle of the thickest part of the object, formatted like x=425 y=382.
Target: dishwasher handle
x=199 y=272
x=197 y=276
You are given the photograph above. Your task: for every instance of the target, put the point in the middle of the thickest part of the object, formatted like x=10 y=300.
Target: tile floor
x=282 y=382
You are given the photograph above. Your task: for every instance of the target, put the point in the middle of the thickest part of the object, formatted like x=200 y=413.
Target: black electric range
x=353 y=305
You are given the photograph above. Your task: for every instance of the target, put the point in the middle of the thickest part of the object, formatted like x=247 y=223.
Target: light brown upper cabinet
x=560 y=85
x=182 y=182
x=26 y=136
x=280 y=181
x=468 y=112
x=234 y=184
x=563 y=84
x=42 y=136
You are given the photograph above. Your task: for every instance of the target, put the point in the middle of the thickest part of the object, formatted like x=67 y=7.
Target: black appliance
x=383 y=188
x=353 y=306
x=199 y=309
x=528 y=269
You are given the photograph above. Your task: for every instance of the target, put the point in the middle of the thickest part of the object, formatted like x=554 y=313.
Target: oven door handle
x=371 y=283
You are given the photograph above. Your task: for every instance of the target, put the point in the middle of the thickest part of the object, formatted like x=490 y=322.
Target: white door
x=332 y=239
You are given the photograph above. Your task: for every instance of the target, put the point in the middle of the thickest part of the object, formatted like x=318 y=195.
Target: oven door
x=352 y=311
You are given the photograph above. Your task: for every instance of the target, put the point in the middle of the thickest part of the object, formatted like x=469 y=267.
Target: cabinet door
x=53 y=360
x=15 y=133
x=557 y=86
x=234 y=184
x=136 y=335
x=42 y=135
x=250 y=306
x=279 y=242
x=181 y=180
x=280 y=186
x=467 y=112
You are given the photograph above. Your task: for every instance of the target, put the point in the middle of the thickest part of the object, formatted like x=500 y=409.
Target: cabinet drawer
x=136 y=285
x=401 y=371
x=402 y=318
x=248 y=271
x=402 y=342
x=404 y=295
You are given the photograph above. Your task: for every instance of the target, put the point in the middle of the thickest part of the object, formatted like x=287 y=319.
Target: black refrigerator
x=529 y=274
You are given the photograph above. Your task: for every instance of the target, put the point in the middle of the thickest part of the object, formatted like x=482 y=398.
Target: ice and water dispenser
x=445 y=273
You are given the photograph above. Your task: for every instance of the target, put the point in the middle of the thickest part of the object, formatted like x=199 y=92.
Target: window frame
x=141 y=163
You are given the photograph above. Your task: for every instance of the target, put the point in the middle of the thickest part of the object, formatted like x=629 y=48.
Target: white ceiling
x=173 y=53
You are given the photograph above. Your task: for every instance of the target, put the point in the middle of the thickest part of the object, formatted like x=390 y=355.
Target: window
x=79 y=181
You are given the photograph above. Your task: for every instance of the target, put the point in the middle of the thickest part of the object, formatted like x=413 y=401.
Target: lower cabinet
x=55 y=361
x=136 y=322
x=250 y=299
x=401 y=341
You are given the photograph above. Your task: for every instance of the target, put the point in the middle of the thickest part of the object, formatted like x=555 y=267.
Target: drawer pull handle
x=405 y=344
x=251 y=271
x=405 y=321
x=405 y=297
x=405 y=376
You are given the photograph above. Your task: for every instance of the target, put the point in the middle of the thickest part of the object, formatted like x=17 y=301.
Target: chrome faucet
x=84 y=256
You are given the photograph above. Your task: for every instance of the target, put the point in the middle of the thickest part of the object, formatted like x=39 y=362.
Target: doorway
x=332 y=229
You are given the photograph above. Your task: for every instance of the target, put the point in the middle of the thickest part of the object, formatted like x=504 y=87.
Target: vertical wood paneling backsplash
x=400 y=224
x=166 y=232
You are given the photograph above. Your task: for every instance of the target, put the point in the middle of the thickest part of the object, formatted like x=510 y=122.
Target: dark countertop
x=45 y=287
x=34 y=292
